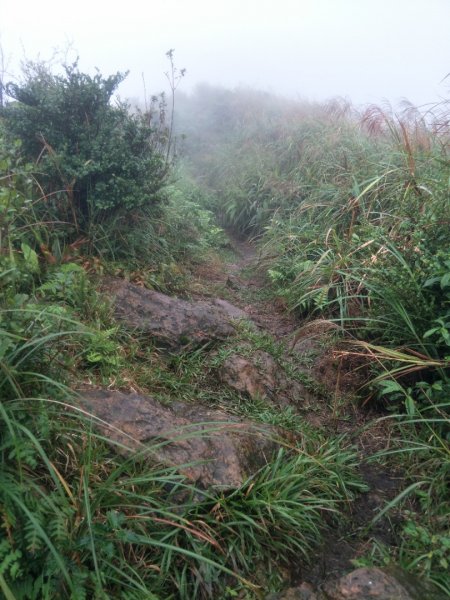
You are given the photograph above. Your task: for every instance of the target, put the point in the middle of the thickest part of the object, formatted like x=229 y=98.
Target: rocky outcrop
x=366 y=584
x=380 y=584
x=258 y=374
x=208 y=447
x=172 y=321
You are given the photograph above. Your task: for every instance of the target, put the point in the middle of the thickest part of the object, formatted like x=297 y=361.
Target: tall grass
x=351 y=209
x=421 y=445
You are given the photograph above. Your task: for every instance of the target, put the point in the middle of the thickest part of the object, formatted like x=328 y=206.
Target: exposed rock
x=169 y=320
x=382 y=584
x=210 y=448
x=365 y=584
x=253 y=375
x=259 y=375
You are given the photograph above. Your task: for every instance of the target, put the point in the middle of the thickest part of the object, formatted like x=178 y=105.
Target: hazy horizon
x=300 y=49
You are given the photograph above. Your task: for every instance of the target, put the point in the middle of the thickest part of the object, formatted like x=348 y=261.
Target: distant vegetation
x=351 y=212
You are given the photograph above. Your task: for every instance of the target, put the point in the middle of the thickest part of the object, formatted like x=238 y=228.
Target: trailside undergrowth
x=84 y=189
x=351 y=210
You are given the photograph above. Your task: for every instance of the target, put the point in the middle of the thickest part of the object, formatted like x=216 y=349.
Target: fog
x=362 y=50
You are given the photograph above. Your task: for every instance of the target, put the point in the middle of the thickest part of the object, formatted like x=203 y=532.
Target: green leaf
x=430 y=332
x=391 y=386
x=445 y=280
x=410 y=406
x=30 y=257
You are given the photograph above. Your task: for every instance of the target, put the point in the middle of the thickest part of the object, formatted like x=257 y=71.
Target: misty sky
x=366 y=50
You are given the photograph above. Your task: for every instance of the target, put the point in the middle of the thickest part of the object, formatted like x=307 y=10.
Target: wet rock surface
x=172 y=321
x=211 y=448
x=380 y=584
x=260 y=376
x=365 y=584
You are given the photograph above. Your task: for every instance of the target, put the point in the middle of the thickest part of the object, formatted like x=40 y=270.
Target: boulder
x=210 y=448
x=172 y=321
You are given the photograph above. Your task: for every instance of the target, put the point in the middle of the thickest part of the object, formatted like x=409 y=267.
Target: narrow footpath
x=240 y=278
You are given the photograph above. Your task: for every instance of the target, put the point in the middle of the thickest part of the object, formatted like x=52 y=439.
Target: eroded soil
x=240 y=279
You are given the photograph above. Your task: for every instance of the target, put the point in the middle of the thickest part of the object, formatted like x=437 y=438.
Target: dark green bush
x=94 y=158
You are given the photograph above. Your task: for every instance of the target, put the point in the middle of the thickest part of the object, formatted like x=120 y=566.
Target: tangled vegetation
x=352 y=216
x=351 y=211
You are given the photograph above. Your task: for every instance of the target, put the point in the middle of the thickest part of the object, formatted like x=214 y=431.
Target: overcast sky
x=366 y=50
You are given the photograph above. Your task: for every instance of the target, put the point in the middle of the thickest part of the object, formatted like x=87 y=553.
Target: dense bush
x=94 y=158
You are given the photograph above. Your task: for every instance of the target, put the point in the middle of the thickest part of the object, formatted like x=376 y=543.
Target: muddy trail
x=230 y=353
x=240 y=277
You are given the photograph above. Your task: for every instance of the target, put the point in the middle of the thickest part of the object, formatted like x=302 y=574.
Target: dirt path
x=241 y=279
x=240 y=276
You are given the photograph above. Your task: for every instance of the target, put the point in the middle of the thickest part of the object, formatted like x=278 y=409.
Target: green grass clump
x=420 y=445
x=79 y=520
